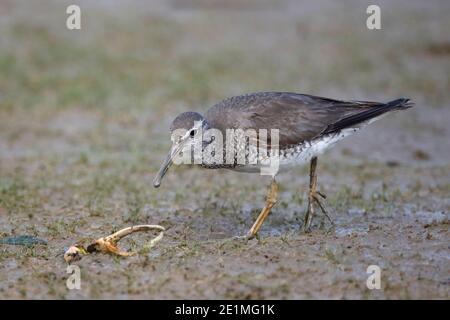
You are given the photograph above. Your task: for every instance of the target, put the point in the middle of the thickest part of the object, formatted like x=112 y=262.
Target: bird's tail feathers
x=402 y=103
x=369 y=114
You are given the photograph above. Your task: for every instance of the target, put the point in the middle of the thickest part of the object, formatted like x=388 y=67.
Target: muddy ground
x=83 y=129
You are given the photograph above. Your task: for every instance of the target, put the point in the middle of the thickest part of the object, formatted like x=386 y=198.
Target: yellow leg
x=313 y=197
x=271 y=199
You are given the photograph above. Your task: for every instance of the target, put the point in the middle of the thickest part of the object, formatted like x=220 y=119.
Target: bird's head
x=184 y=130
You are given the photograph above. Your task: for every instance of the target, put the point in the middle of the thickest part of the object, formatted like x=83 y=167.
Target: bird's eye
x=192 y=133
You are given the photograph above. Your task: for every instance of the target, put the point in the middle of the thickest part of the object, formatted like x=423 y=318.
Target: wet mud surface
x=77 y=161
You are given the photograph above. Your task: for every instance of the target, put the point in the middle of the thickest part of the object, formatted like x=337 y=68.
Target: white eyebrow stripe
x=188 y=132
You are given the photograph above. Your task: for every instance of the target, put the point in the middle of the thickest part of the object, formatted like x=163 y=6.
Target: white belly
x=303 y=153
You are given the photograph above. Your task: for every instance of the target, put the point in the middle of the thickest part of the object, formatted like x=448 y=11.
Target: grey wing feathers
x=298 y=117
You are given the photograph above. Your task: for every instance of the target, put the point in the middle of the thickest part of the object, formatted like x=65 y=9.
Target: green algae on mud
x=22 y=240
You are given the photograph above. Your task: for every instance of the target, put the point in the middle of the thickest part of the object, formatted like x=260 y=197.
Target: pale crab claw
x=109 y=244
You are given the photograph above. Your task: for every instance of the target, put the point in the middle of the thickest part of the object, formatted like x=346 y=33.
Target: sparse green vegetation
x=84 y=126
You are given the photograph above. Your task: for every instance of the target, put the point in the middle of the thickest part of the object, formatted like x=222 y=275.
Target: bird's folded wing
x=300 y=117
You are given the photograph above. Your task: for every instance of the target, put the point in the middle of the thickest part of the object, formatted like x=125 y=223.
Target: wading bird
x=307 y=126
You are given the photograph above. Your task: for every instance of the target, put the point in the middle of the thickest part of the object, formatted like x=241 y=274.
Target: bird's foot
x=240 y=238
x=235 y=240
x=315 y=200
x=248 y=236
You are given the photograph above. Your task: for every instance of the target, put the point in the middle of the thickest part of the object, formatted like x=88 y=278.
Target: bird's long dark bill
x=165 y=166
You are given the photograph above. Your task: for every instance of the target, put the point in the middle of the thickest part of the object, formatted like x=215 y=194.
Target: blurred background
x=84 y=118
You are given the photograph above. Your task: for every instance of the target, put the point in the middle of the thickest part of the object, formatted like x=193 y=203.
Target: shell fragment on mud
x=109 y=244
